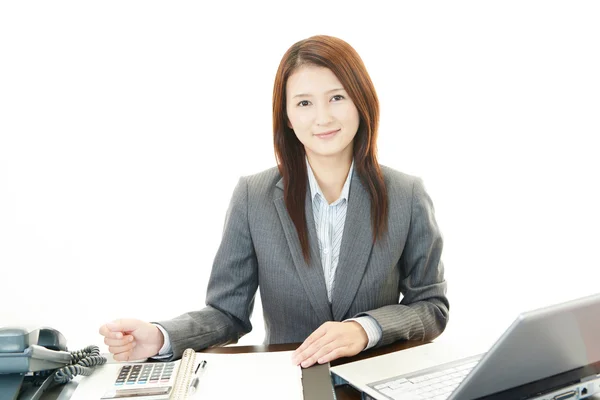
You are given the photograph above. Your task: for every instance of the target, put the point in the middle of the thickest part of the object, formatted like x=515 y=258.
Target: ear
x=289 y=124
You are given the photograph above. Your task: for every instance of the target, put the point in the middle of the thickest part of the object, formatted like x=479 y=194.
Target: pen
x=199 y=371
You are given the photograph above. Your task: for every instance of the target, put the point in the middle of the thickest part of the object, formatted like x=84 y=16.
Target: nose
x=323 y=117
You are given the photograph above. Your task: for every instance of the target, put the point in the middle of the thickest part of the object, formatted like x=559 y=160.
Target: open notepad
x=270 y=375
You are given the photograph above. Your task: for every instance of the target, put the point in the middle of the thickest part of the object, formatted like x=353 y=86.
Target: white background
x=125 y=125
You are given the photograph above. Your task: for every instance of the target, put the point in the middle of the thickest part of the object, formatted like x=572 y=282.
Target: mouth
x=328 y=134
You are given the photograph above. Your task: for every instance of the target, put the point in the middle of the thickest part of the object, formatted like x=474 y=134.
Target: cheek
x=348 y=116
x=300 y=121
x=354 y=118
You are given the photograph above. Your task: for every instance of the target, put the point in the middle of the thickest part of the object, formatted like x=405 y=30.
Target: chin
x=327 y=153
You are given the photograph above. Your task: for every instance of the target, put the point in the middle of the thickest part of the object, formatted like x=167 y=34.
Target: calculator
x=143 y=380
x=146 y=374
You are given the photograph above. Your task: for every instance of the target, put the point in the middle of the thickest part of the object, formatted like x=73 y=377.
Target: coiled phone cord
x=83 y=363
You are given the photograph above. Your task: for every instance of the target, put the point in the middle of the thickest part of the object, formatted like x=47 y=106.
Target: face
x=321 y=113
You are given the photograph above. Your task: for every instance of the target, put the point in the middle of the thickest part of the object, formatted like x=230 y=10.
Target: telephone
x=32 y=362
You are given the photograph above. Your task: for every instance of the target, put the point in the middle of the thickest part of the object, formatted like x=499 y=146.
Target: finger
x=320 y=332
x=118 y=327
x=115 y=326
x=125 y=325
x=103 y=330
x=116 y=350
x=307 y=357
x=319 y=349
x=333 y=355
x=122 y=356
x=305 y=350
x=118 y=342
x=106 y=332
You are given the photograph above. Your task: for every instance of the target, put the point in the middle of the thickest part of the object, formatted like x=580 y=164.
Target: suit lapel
x=357 y=242
x=311 y=276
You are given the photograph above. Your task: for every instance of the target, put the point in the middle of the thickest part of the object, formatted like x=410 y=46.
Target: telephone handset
x=39 y=359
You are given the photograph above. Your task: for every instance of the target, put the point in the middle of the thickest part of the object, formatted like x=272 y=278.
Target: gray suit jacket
x=399 y=280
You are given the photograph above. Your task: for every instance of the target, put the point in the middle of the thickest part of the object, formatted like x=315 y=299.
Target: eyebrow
x=309 y=95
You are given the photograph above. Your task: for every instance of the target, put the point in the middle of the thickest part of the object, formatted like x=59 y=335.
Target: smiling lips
x=327 y=134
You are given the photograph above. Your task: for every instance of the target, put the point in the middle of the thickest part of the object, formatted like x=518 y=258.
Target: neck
x=331 y=173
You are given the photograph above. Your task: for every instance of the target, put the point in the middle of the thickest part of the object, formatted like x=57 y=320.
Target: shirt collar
x=315 y=189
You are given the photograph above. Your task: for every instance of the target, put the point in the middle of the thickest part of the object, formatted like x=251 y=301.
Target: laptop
x=548 y=353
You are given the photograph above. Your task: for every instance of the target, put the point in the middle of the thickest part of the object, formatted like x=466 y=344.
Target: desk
x=342 y=393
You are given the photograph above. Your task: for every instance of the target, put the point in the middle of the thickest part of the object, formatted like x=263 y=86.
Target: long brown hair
x=338 y=56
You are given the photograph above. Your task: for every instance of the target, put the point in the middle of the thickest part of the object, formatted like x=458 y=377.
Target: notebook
x=549 y=353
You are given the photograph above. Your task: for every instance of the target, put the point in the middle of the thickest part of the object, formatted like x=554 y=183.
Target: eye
x=303 y=103
x=337 y=97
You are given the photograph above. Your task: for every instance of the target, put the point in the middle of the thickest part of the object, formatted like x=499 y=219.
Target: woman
x=331 y=238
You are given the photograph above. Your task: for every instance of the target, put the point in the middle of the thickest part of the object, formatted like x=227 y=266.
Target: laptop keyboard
x=431 y=384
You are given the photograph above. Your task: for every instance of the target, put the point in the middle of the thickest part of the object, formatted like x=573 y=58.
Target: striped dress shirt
x=329 y=223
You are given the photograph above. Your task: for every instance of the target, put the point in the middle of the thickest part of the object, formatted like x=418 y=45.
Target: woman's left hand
x=330 y=341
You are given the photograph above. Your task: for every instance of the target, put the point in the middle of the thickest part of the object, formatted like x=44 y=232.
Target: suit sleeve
x=422 y=314
x=231 y=288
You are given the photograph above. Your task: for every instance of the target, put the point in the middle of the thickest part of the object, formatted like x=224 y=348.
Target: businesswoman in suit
x=346 y=253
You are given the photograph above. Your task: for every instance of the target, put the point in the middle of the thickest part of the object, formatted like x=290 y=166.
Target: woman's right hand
x=132 y=339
